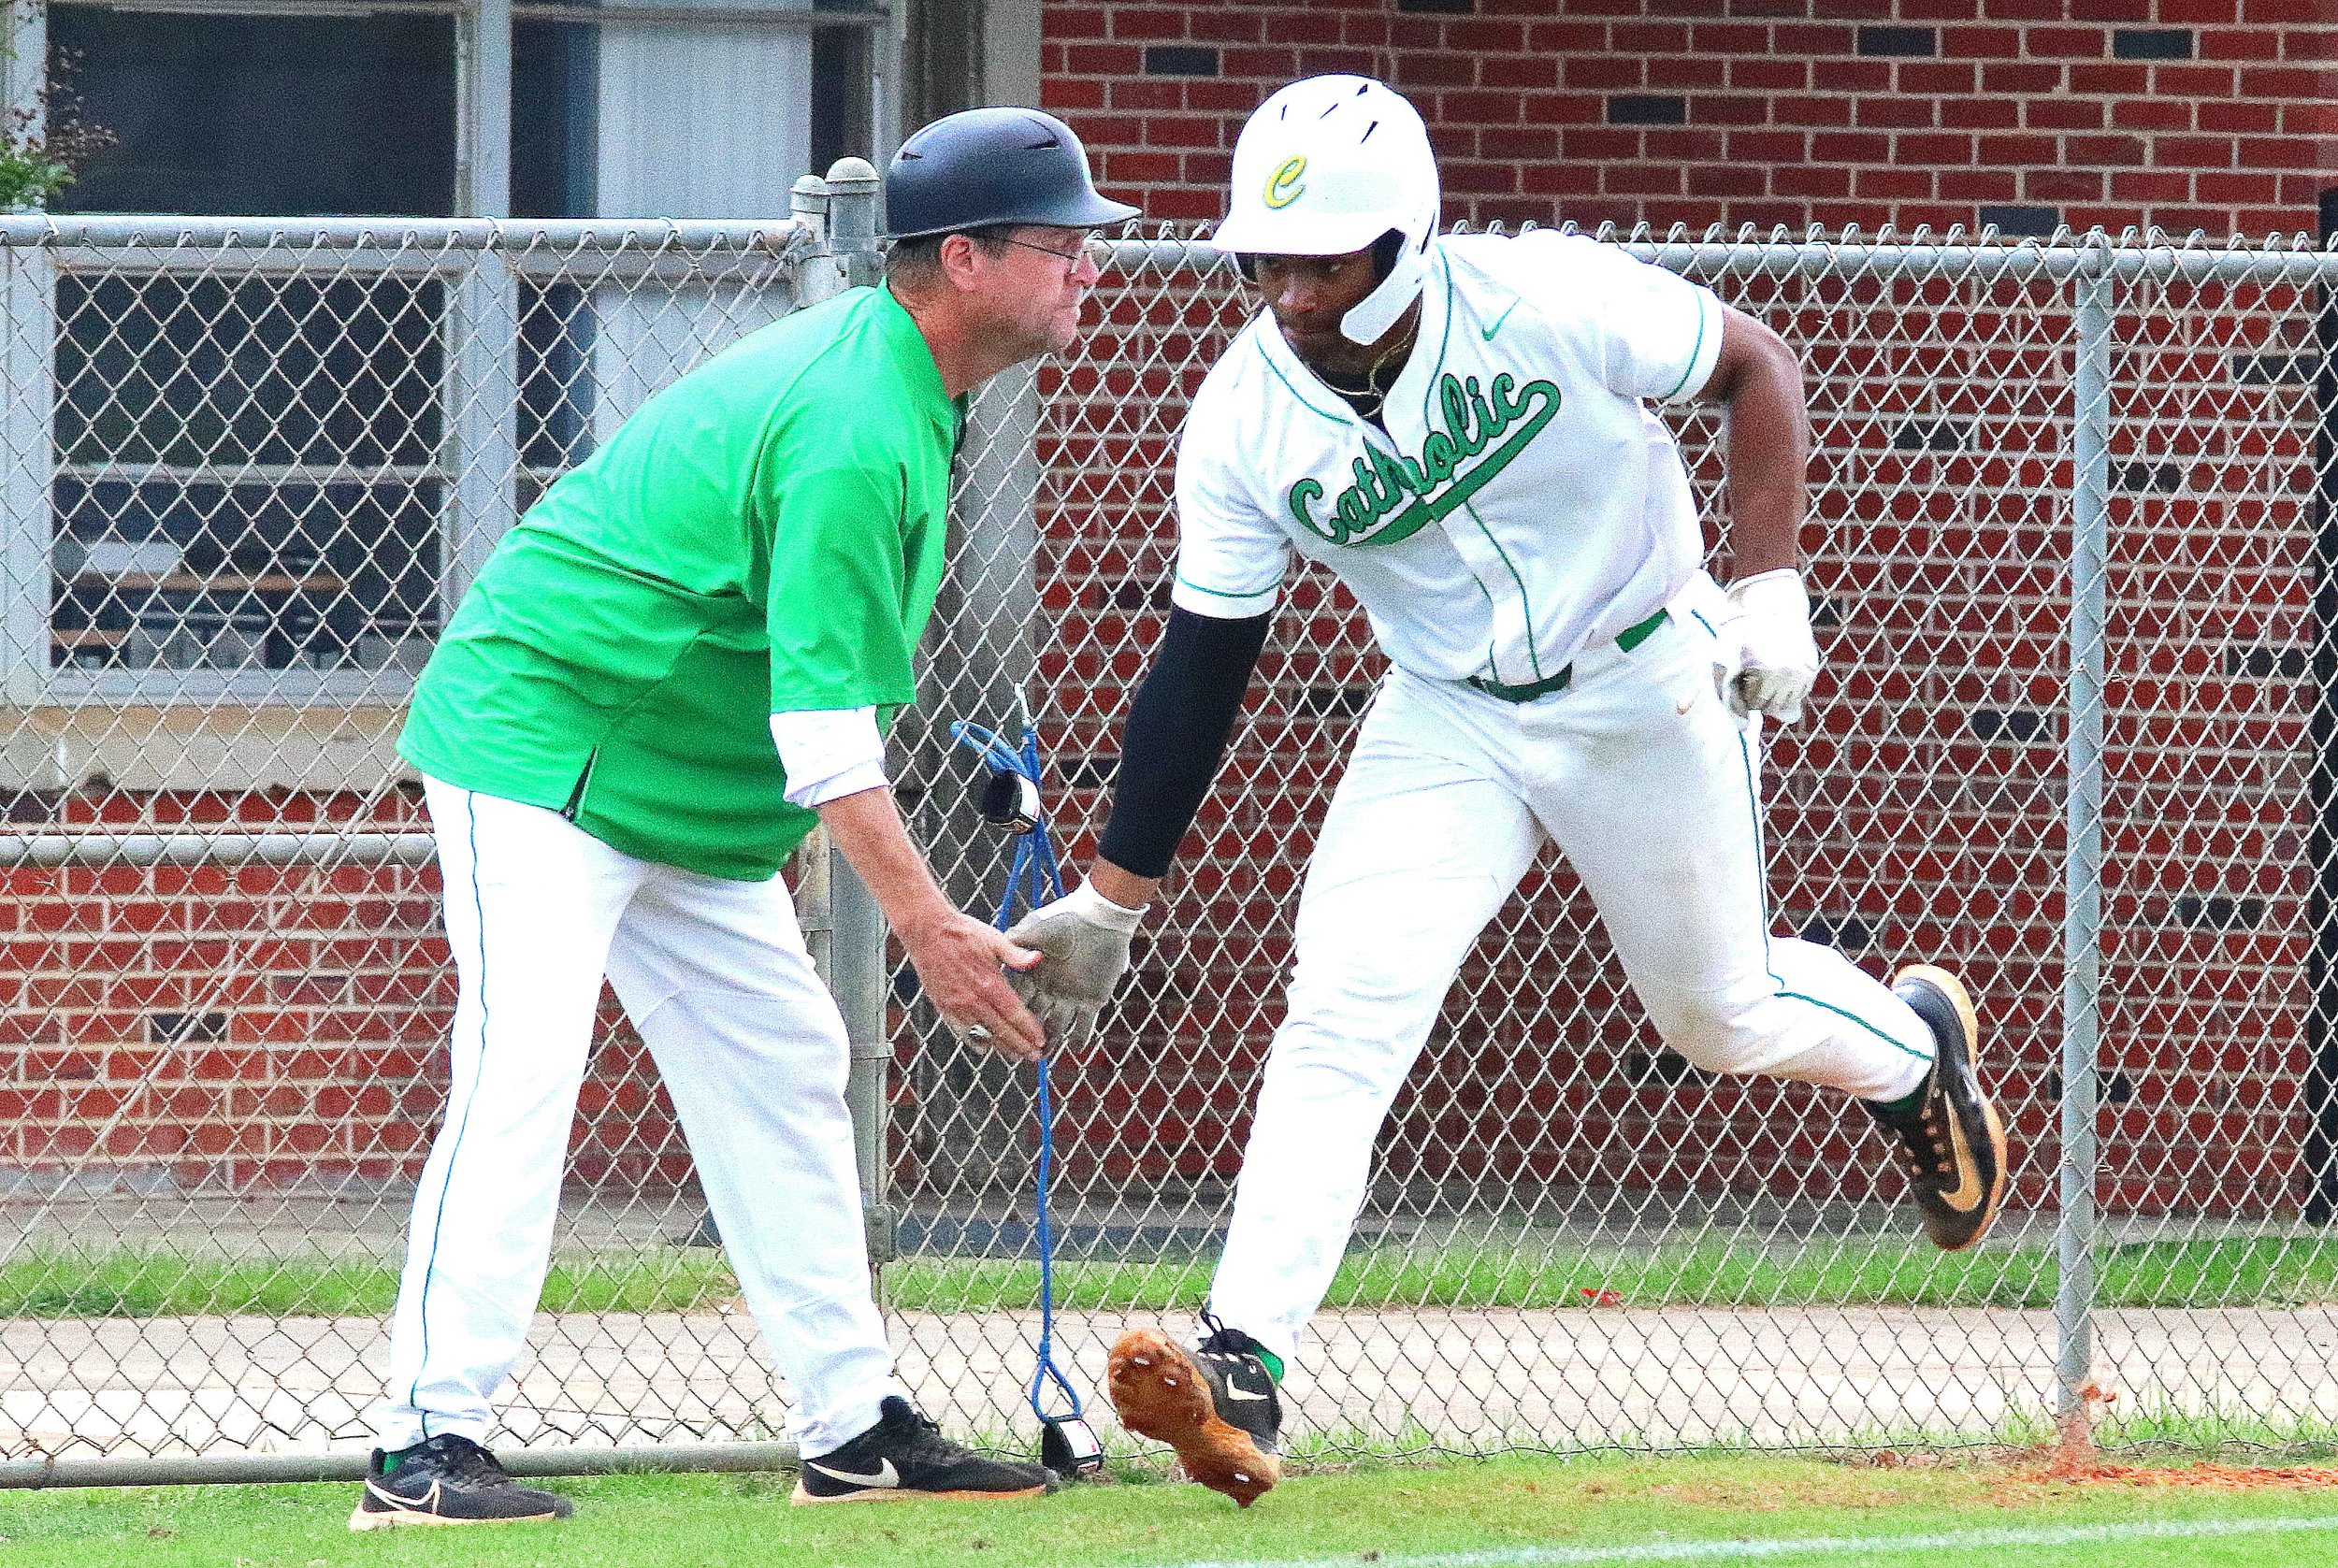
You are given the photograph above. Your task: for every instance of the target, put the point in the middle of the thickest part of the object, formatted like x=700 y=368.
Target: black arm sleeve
x=1176 y=734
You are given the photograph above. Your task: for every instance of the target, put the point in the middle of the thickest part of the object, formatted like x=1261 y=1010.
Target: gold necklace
x=1396 y=355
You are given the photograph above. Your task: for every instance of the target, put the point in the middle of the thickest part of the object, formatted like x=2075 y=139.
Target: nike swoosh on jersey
x=1486 y=333
x=1966 y=1196
x=883 y=1476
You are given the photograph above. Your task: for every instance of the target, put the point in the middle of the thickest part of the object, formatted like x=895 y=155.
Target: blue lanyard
x=1036 y=878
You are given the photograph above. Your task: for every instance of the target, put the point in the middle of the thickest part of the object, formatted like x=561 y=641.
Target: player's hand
x=1086 y=938
x=963 y=967
x=1767 y=658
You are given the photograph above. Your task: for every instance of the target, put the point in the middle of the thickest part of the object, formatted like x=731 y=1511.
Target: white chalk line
x=1822 y=1546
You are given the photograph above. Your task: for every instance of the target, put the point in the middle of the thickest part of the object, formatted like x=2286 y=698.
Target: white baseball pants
x=1647 y=783
x=715 y=975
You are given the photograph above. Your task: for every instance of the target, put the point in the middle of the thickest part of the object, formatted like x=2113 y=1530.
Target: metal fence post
x=28 y=333
x=28 y=318
x=2082 y=919
x=2321 y=1013
x=857 y=966
x=852 y=219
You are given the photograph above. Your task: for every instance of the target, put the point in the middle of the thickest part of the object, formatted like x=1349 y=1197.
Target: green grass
x=1394 y=1516
x=2255 y=1272
x=64 y=1284
x=1533 y=1271
x=2138 y=1423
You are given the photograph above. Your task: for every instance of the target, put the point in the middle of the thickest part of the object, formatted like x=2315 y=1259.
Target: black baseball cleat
x=448 y=1480
x=1240 y=1384
x=1218 y=1407
x=904 y=1455
x=1951 y=1140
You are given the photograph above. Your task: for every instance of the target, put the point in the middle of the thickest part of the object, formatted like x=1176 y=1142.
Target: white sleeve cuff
x=829 y=752
x=1220 y=605
x=1706 y=351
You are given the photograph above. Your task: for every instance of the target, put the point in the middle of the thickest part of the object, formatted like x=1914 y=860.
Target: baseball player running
x=669 y=671
x=1459 y=429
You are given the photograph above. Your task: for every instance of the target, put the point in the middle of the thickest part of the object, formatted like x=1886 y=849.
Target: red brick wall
x=1788 y=111
x=231 y=1027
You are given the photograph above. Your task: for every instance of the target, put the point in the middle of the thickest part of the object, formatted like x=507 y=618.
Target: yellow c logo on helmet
x=1286 y=184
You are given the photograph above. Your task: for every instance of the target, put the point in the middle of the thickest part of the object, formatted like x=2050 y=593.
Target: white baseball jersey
x=1522 y=509
x=1521 y=502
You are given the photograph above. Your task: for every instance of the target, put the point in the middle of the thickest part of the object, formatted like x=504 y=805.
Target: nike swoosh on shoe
x=426 y=1503
x=883 y=1476
x=1967 y=1195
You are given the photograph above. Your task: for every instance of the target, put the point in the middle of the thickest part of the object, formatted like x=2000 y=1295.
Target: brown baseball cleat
x=1951 y=1140
x=1220 y=1413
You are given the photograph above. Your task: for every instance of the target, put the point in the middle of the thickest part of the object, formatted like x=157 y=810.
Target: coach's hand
x=1084 y=938
x=1767 y=658
x=963 y=967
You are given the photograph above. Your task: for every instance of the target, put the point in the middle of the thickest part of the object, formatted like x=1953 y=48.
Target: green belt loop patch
x=1633 y=637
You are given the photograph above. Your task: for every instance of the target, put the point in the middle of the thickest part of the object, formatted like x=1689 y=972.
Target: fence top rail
x=2101 y=259
x=325 y=843
x=2126 y=259
x=288 y=237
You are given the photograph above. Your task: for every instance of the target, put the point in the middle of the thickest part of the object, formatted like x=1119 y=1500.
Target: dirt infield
x=2205 y=1473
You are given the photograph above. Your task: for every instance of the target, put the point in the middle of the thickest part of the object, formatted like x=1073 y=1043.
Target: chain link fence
x=2075 y=586
x=2067 y=744
x=250 y=466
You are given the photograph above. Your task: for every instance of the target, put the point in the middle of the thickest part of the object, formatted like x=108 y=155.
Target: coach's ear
x=959 y=257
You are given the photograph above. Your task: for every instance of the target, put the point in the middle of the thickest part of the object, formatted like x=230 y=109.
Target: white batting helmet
x=1327 y=167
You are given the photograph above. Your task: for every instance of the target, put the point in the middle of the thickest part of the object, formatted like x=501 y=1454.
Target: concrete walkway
x=1476 y=1379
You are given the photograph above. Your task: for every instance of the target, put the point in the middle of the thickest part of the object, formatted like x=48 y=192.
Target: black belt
x=1633 y=637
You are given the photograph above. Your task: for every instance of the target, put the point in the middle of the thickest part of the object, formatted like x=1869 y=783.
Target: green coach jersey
x=764 y=536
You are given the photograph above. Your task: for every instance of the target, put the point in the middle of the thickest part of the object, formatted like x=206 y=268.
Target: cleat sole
x=1160 y=1394
x=804 y=1499
x=364 y=1518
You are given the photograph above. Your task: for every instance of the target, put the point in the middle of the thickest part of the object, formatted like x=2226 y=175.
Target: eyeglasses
x=1095 y=250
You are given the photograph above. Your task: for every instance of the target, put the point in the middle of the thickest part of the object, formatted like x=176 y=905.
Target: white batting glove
x=1767 y=659
x=1086 y=937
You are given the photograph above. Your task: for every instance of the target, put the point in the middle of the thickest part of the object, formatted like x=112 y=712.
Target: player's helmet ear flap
x=1385 y=250
x=1328 y=167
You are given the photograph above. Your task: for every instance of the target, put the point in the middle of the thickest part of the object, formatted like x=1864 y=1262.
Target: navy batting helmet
x=993 y=166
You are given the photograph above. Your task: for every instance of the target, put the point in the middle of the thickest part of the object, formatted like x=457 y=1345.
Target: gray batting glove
x=1768 y=659
x=1086 y=938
